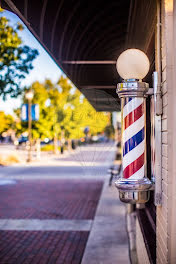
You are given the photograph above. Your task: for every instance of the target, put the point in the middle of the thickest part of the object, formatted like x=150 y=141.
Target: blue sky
x=44 y=66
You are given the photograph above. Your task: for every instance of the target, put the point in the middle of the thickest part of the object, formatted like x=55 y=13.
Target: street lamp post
x=29 y=96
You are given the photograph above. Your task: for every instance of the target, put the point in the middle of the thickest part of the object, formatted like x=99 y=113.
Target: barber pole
x=132 y=66
x=133 y=185
x=133 y=137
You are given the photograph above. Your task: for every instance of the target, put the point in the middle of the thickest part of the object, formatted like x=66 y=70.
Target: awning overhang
x=85 y=39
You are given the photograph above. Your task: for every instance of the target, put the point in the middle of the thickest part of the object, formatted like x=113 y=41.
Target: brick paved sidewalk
x=42 y=247
x=44 y=199
x=47 y=213
x=50 y=199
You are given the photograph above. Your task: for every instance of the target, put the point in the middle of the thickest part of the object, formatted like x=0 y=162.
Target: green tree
x=85 y=115
x=60 y=98
x=15 y=59
x=71 y=114
x=42 y=128
x=63 y=115
x=6 y=122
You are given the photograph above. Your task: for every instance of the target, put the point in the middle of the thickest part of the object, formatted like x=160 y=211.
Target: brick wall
x=162 y=211
x=166 y=213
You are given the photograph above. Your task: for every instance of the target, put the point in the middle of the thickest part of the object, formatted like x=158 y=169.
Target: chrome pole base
x=134 y=197
x=134 y=191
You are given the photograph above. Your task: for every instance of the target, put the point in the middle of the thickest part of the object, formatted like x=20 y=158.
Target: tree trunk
x=38 y=150
x=69 y=144
x=62 y=141
x=55 y=144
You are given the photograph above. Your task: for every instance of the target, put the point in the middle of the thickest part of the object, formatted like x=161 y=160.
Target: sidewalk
x=108 y=240
x=58 y=214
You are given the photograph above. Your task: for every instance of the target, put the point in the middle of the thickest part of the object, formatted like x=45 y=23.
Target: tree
x=71 y=114
x=15 y=59
x=60 y=97
x=6 y=122
x=63 y=115
x=85 y=115
x=42 y=128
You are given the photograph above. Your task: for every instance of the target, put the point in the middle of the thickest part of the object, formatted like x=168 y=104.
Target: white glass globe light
x=133 y=64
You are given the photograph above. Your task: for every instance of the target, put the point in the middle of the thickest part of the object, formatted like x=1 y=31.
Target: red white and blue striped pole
x=133 y=185
x=133 y=137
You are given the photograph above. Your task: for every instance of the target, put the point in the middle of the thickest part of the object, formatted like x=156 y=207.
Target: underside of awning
x=85 y=39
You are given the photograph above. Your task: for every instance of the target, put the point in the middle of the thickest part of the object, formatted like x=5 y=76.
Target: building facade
x=166 y=211
x=149 y=25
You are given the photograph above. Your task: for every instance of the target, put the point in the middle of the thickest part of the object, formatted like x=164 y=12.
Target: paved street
x=48 y=210
x=86 y=161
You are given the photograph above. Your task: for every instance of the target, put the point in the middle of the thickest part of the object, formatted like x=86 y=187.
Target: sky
x=44 y=66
